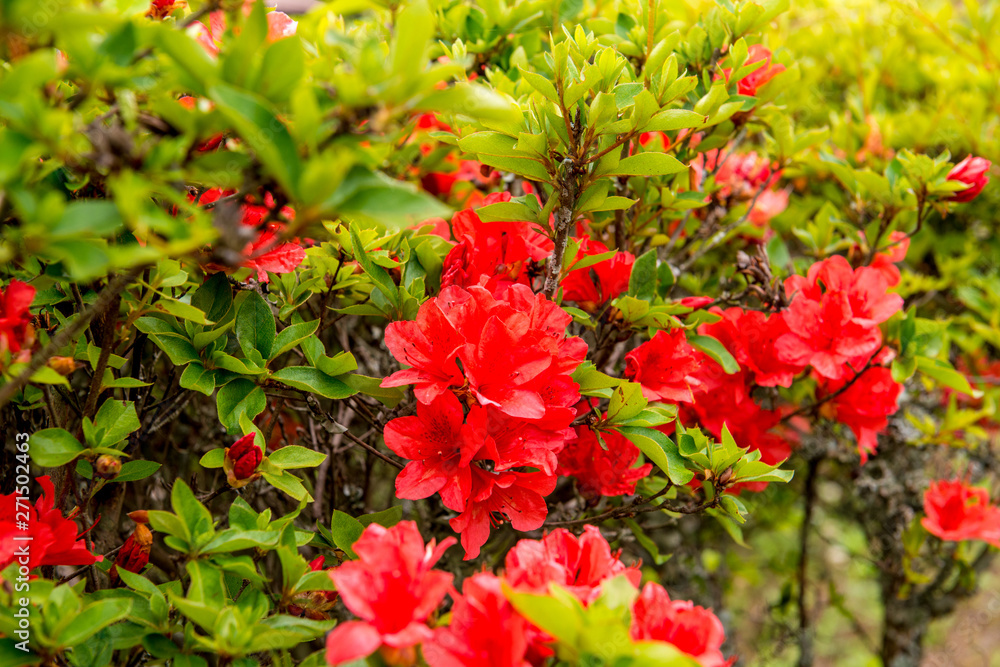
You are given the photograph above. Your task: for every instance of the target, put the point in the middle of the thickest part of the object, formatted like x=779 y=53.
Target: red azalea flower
x=485 y=630
x=972 y=171
x=866 y=405
x=601 y=472
x=55 y=540
x=392 y=588
x=579 y=564
x=517 y=497
x=694 y=630
x=769 y=204
x=834 y=316
x=750 y=336
x=493 y=254
x=441 y=444
x=523 y=443
x=16 y=332
x=591 y=286
x=665 y=366
x=501 y=367
x=956 y=512
x=429 y=346
x=268 y=254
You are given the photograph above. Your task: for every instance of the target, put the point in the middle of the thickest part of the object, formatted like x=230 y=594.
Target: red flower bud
x=972 y=171
x=242 y=460
x=134 y=554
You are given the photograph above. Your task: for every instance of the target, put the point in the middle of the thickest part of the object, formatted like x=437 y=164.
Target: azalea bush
x=500 y=333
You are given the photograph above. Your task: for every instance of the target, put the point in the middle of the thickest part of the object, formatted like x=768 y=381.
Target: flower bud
x=139 y=516
x=134 y=554
x=63 y=365
x=973 y=172
x=241 y=461
x=107 y=466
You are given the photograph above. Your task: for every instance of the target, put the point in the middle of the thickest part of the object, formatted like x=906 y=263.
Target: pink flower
x=392 y=588
x=694 y=630
x=579 y=564
x=834 y=316
x=485 y=630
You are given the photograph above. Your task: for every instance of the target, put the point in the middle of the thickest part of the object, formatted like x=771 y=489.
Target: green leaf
x=642 y=281
x=136 y=470
x=716 y=351
x=116 y=420
x=53 y=447
x=469 y=99
x=255 y=327
x=93 y=618
x=213 y=458
x=291 y=336
x=387 y=518
x=674 y=119
x=314 y=381
x=558 y=616
x=374 y=271
x=661 y=450
x=345 y=530
x=235 y=539
x=288 y=483
x=263 y=131
x=294 y=456
x=239 y=397
x=541 y=84
x=214 y=297
x=197 y=378
x=946 y=375
x=196 y=518
x=626 y=402
x=489 y=143
x=178 y=349
x=647 y=164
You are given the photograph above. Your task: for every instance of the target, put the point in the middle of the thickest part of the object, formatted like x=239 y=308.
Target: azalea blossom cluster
x=495 y=402
x=830 y=327
x=395 y=591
